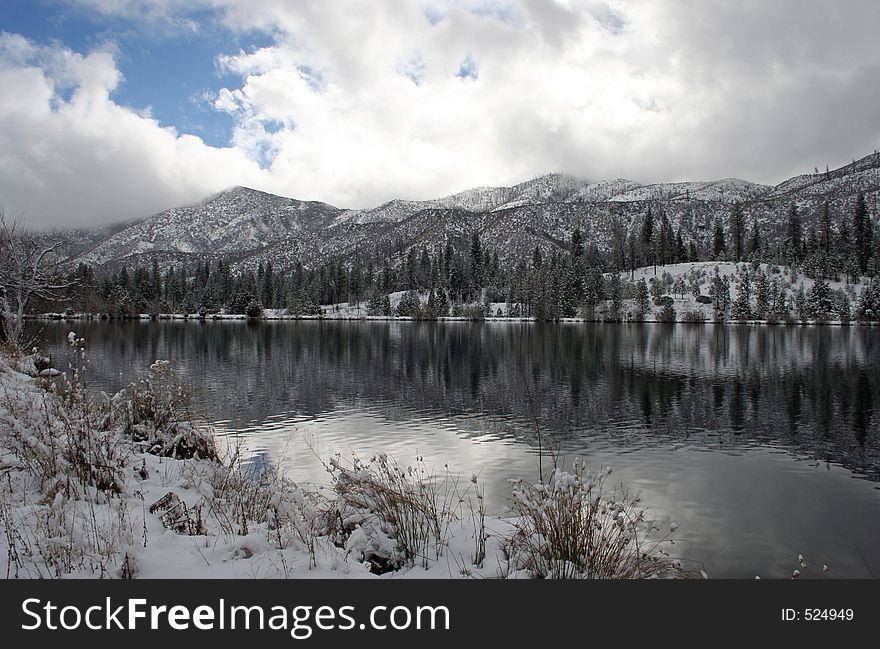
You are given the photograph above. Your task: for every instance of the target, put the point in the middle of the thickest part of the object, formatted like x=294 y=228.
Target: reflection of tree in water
x=811 y=389
x=863 y=409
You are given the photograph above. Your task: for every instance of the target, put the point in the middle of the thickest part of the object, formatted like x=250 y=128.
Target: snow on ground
x=790 y=280
x=127 y=487
x=56 y=523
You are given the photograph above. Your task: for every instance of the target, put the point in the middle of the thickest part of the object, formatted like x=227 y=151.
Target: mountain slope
x=246 y=227
x=233 y=223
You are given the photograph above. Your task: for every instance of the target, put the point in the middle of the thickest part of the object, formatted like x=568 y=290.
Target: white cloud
x=357 y=102
x=85 y=159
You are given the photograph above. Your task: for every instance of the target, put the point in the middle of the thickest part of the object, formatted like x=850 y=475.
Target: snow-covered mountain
x=245 y=226
x=235 y=223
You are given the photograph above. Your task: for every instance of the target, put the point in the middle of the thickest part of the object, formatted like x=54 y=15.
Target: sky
x=117 y=109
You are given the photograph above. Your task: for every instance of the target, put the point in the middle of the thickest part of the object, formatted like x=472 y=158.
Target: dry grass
x=157 y=415
x=392 y=516
x=570 y=527
x=242 y=498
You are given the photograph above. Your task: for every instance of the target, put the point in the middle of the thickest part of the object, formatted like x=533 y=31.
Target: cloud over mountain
x=359 y=102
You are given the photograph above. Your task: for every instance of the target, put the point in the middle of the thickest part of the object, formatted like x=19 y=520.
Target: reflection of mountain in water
x=812 y=390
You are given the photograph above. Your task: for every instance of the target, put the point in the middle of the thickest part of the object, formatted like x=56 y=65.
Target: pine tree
x=594 y=289
x=155 y=281
x=615 y=293
x=863 y=234
x=719 y=291
x=820 y=301
x=801 y=306
x=476 y=262
x=430 y=310
x=826 y=236
x=737 y=229
x=868 y=307
x=742 y=306
x=755 y=242
x=647 y=235
x=665 y=240
x=412 y=274
x=681 y=253
x=441 y=304
x=793 y=245
x=718 y=244
x=762 y=294
x=375 y=304
x=410 y=305
x=424 y=275
x=643 y=304
x=577 y=243
x=267 y=290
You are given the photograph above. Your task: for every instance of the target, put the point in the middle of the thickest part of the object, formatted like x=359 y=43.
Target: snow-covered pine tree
x=762 y=294
x=868 y=308
x=820 y=301
x=742 y=306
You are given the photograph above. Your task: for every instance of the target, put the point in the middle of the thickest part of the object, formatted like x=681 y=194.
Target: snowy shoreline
x=127 y=486
x=78 y=317
x=724 y=293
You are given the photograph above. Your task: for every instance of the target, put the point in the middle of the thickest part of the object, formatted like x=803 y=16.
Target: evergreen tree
x=793 y=243
x=742 y=306
x=801 y=306
x=718 y=243
x=868 y=307
x=719 y=291
x=476 y=262
x=665 y=241
x=577 y=243
x=737 y=232
x=267 y=290
x=410 y=305
x=424 y=274
x=615 y=293
x=441 y=304
x=762 y=294
x=376 y=303
x=430 y=310
x=863 y=234
x=647 y=236
x=820 y=301
x=594 y=289
x=755 y=241
x=643 y=303
x=155 y=281
x=631 y=253
x=681 y=253
x=826 y=239
x=412 y=275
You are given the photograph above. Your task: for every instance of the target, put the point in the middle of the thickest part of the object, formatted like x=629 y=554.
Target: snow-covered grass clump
x=571 y=528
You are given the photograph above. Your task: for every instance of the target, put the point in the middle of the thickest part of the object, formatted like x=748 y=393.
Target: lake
x=761 y=443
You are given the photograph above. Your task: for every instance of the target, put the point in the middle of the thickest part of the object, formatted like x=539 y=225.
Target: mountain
x=235 y=224
x=246 y=227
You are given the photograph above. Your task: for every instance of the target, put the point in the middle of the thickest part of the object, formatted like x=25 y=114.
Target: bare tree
x=28 y=271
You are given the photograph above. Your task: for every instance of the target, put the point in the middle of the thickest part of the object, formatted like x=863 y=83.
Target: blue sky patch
x=168 y=69
x=469 y=69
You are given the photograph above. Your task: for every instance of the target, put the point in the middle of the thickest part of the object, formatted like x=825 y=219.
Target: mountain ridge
x=248 y=226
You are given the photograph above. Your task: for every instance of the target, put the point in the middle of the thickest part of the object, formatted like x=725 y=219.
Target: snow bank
x=125 y=486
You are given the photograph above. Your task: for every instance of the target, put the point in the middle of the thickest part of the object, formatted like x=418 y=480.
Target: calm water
x=761 y=443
